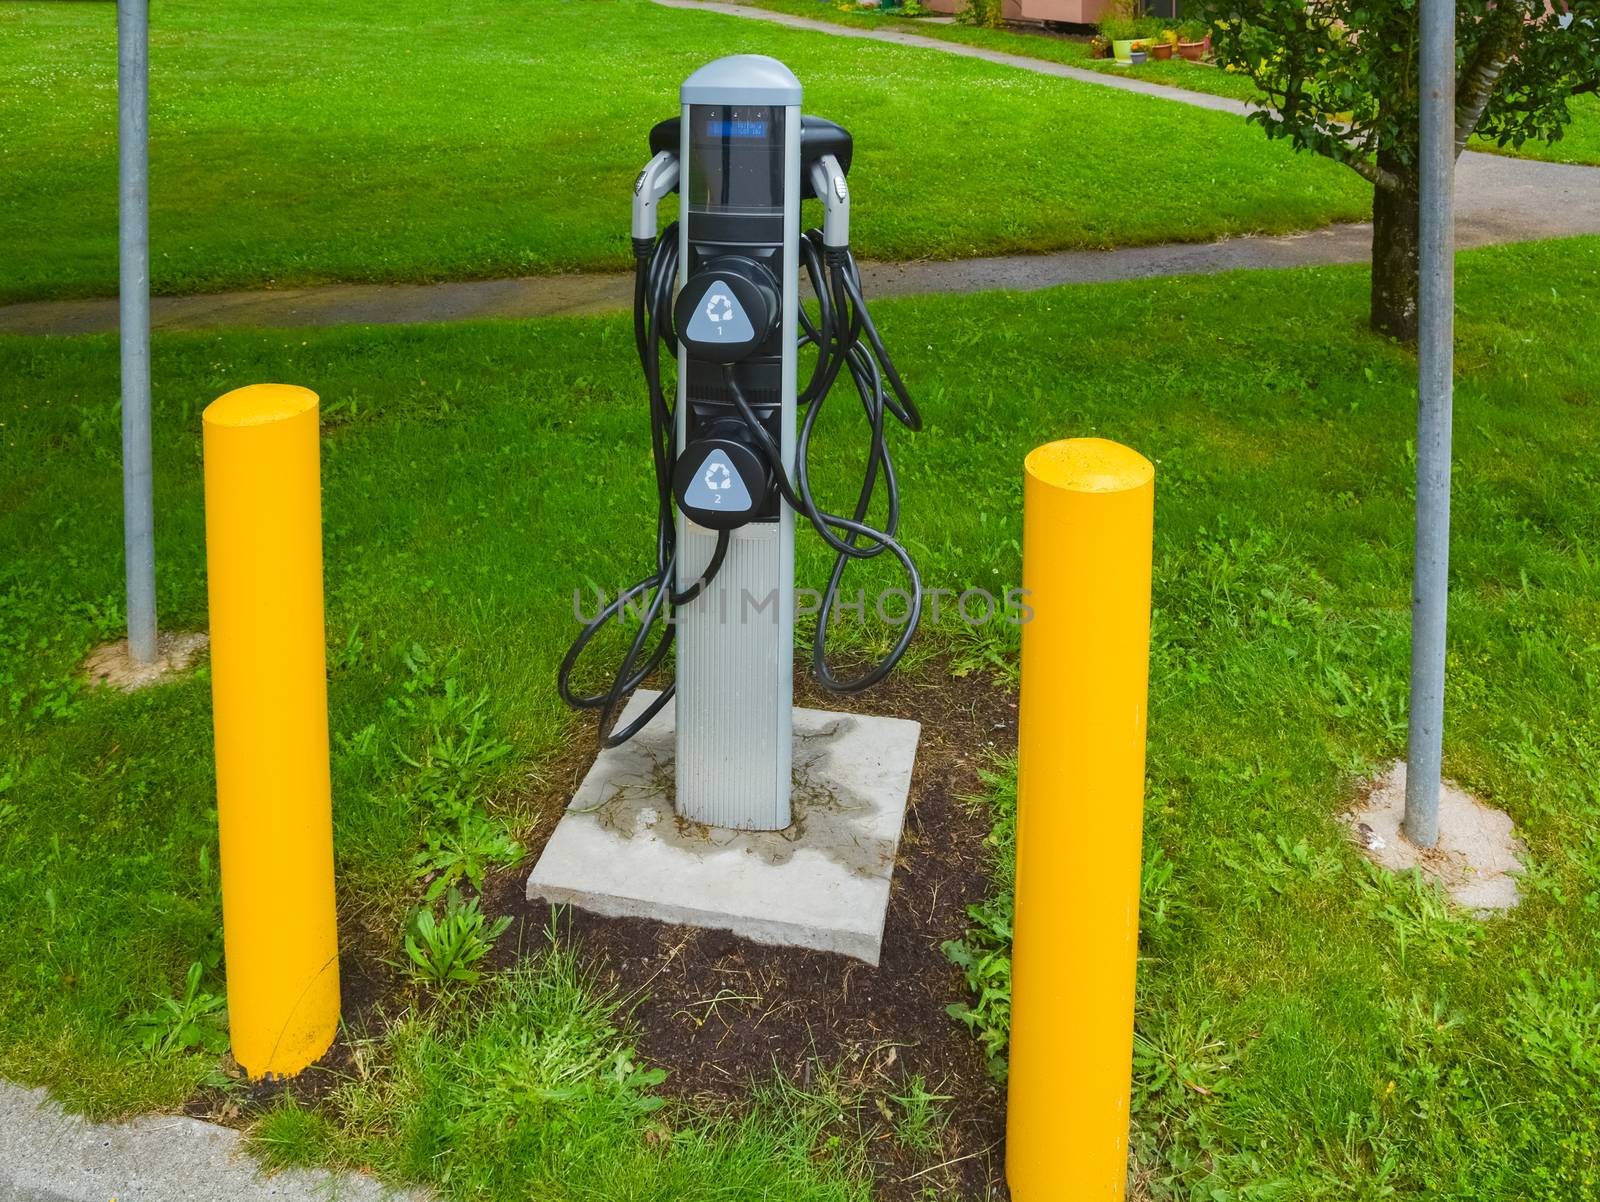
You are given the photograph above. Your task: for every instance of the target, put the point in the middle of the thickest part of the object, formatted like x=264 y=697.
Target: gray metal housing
x=735 y=657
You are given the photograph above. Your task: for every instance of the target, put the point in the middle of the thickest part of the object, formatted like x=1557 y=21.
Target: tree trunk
x=1395 y=263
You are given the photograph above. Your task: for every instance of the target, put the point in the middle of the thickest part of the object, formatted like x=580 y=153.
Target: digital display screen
x=736 y=129
x=736 y=157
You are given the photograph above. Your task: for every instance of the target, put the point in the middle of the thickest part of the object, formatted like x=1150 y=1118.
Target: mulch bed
x=722 y=1014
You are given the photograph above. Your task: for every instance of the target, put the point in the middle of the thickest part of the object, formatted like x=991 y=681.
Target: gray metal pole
x=133 y=234
x=1435 y=360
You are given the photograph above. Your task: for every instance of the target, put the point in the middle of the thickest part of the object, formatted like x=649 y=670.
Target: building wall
x=1075 y=12
x=1078 y=12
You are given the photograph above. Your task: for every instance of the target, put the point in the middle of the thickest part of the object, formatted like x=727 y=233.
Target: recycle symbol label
x=720 y=318
x=717 y=485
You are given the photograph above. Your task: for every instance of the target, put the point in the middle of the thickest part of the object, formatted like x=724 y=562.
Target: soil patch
x=372 y=993
x=110 y=663
x=722 y=1014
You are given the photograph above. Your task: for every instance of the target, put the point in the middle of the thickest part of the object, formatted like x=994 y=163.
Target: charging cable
x=846 y=340
x=845 y=337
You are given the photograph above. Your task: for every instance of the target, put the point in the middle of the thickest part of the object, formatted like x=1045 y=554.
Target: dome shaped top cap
x=742 y=79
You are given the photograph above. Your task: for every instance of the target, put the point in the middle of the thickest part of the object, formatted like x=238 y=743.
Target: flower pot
x=1123 y=49
x=1137 y=58
x=1099 y=49
x=1161 y=51
x=1193 y=51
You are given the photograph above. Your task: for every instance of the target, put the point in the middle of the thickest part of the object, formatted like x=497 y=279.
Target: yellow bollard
x=1088 y=510
x=270 y=709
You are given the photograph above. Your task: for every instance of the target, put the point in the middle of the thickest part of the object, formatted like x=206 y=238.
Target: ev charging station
x=719 y=290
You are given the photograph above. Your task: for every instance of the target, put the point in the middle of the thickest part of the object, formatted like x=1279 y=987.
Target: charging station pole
x=738 y=230
x=720 y=289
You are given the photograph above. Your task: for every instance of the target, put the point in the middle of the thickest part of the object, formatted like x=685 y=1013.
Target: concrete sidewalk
x=1123 y=83
x=47 y=1155
x=1498 y=200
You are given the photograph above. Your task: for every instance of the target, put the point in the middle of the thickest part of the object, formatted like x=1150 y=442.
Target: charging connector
x=658 y=180
x=828 y=182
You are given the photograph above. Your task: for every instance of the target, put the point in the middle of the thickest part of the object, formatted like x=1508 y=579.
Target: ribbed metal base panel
x=735 y=679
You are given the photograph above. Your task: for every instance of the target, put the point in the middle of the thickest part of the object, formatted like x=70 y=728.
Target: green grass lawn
x=400 y=141
x=1580 y=142
x=1307 y=1030
x=1175 y=72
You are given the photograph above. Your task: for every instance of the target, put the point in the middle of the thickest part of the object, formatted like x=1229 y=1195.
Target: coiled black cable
x=846 y=339
x=655 y=274
x=842 y=322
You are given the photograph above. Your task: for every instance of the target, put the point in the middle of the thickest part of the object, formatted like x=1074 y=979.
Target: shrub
x=987 y=13
x=1119 y=29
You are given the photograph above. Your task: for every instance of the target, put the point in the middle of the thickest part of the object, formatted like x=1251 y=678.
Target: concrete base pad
x=822 y=883
x=1477 y=858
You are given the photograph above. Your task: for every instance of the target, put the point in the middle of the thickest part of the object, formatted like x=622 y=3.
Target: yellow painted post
x=1088 y=509
x=270 y=710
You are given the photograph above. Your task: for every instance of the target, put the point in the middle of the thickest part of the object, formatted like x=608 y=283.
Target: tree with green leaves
x=1341 y=79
